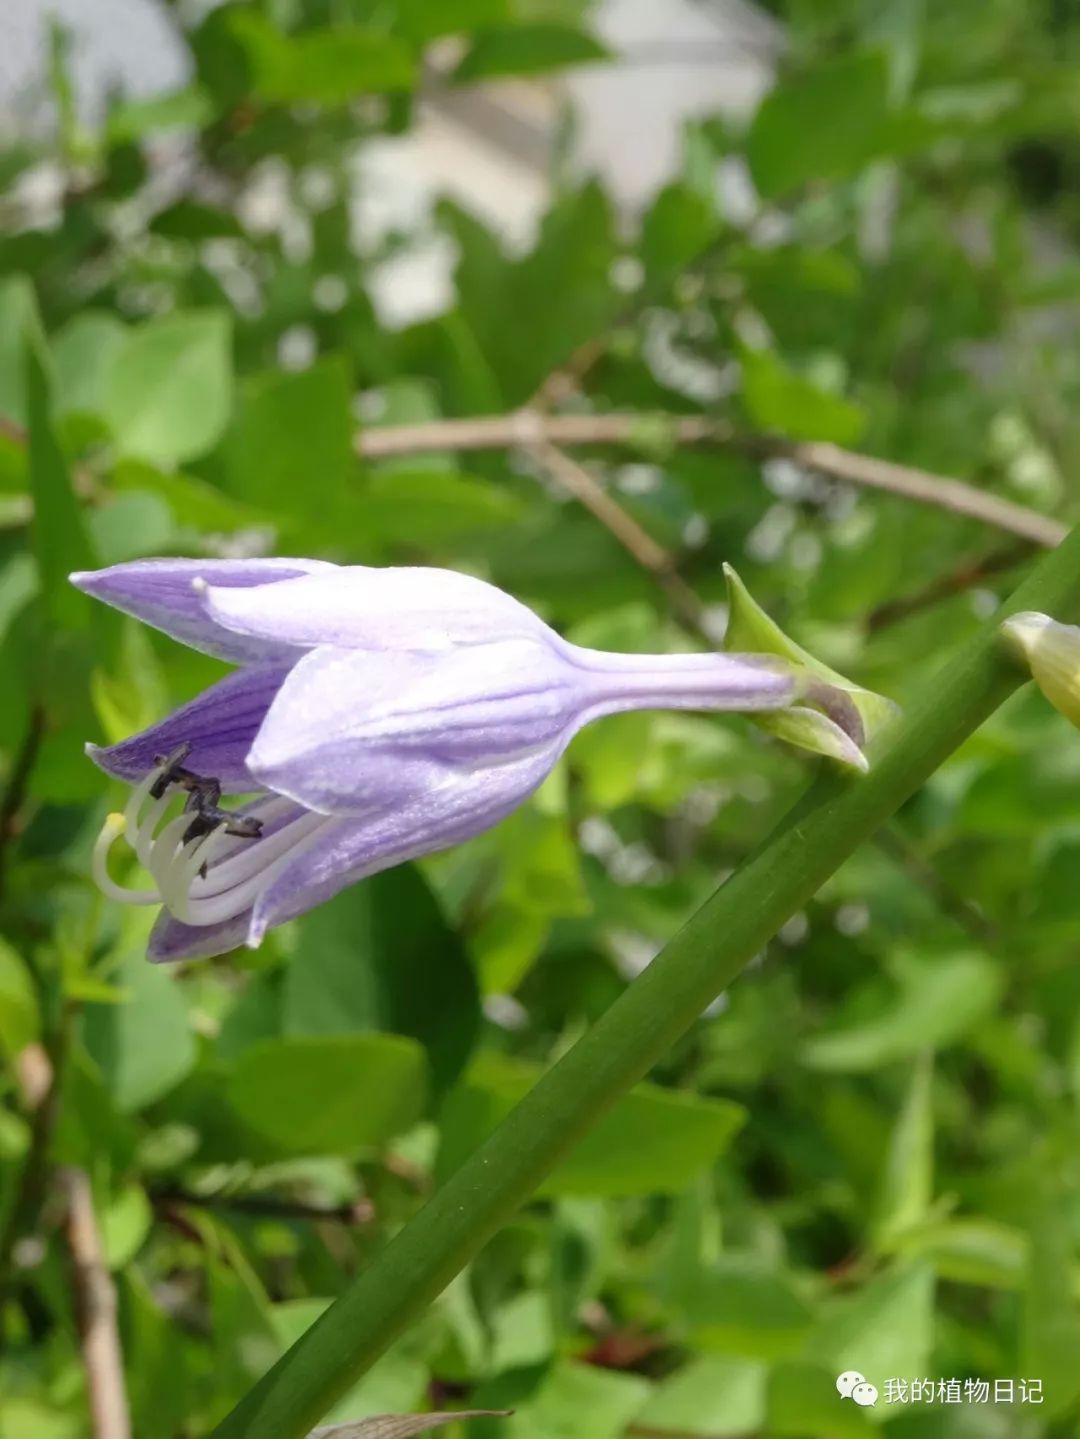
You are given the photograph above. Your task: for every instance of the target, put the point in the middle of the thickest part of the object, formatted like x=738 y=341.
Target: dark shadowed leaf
x=381 y=956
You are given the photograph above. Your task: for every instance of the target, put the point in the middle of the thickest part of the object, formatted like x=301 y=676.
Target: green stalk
x=835 y=816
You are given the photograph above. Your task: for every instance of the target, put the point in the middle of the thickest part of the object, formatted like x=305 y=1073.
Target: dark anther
x=203 y=801
x=171 y=771
x=244 y=827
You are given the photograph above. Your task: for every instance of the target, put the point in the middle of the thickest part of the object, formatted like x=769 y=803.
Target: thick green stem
x=832 y=819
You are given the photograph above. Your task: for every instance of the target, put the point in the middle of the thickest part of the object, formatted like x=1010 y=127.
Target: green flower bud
x=838 y=718
x=1051 y=651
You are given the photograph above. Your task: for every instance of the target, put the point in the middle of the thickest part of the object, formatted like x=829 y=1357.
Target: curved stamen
x=241 y=866
x=111 y=830
x=227 y=903
x=141 y=838
x=214 y=876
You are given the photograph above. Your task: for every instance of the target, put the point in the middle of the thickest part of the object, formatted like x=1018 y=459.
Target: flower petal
x=356 y=730
x=171 y=940
x=162 y=593
x=732 y=682
x=358 y=607
x=1051 y=651
x=350 y=849
x=219 y=725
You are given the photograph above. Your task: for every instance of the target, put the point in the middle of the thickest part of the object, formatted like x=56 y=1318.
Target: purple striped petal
x=219 y=725
x=163 y=593
x=170 y=940
x=378 y=609
x=350 y=849
x=354 y=730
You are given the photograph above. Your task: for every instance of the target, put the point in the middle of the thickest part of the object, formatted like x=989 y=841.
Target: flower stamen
x=202 y=859
x=111 y=830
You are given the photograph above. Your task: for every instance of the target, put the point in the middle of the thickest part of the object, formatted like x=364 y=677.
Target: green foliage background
x=865 y=1155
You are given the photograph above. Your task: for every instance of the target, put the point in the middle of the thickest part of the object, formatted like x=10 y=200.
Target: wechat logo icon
x=853 y=1385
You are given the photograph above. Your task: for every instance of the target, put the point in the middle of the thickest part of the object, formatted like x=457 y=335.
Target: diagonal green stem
x=835 y=816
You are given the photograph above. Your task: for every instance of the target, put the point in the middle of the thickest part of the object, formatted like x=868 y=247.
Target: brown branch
x=38 y=1072
x=943 y=587
x=529 y=428
x=650 y=555
x=95 y=1311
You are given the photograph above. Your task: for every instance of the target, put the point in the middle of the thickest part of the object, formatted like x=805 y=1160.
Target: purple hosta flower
x=377 y=715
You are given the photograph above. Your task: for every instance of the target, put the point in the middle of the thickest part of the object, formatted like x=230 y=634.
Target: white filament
x=211 y=878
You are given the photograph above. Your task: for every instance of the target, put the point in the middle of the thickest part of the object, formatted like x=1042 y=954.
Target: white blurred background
x=488 y=147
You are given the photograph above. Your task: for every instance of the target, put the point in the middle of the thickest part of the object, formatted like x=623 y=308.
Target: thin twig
x=892 y=842
x=529 y=428
x=39 y=1073
x=95 y=1310
x=15 y=791
x=360 y=1211
x=650 y=555
x=964 y=577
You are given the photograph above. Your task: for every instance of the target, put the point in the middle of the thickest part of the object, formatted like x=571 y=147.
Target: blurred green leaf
x=654 y=1141
x=742 y=1309
x=19 y=1020
x=561 y=293
x=569 y=1391
x=676 y=230
x=187 y=109
x=820 y=125
x=971 y=1251
x=424 y=507
x=884 y=1329
x=60 y=539
x=195 y=220
x=778 y=399
x=169 y=391
x=335 y=1094
x=802 y=1399
x=940 y=1000
x=527 y=50
x=125 y=1223
x=1050 y=1324
x=19 y=322
x=331 y=66
x=427 y=19
x=84 y=352
x=290 y=431
x=709 y=1395
x=907 y=1179
x=144 y=1046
